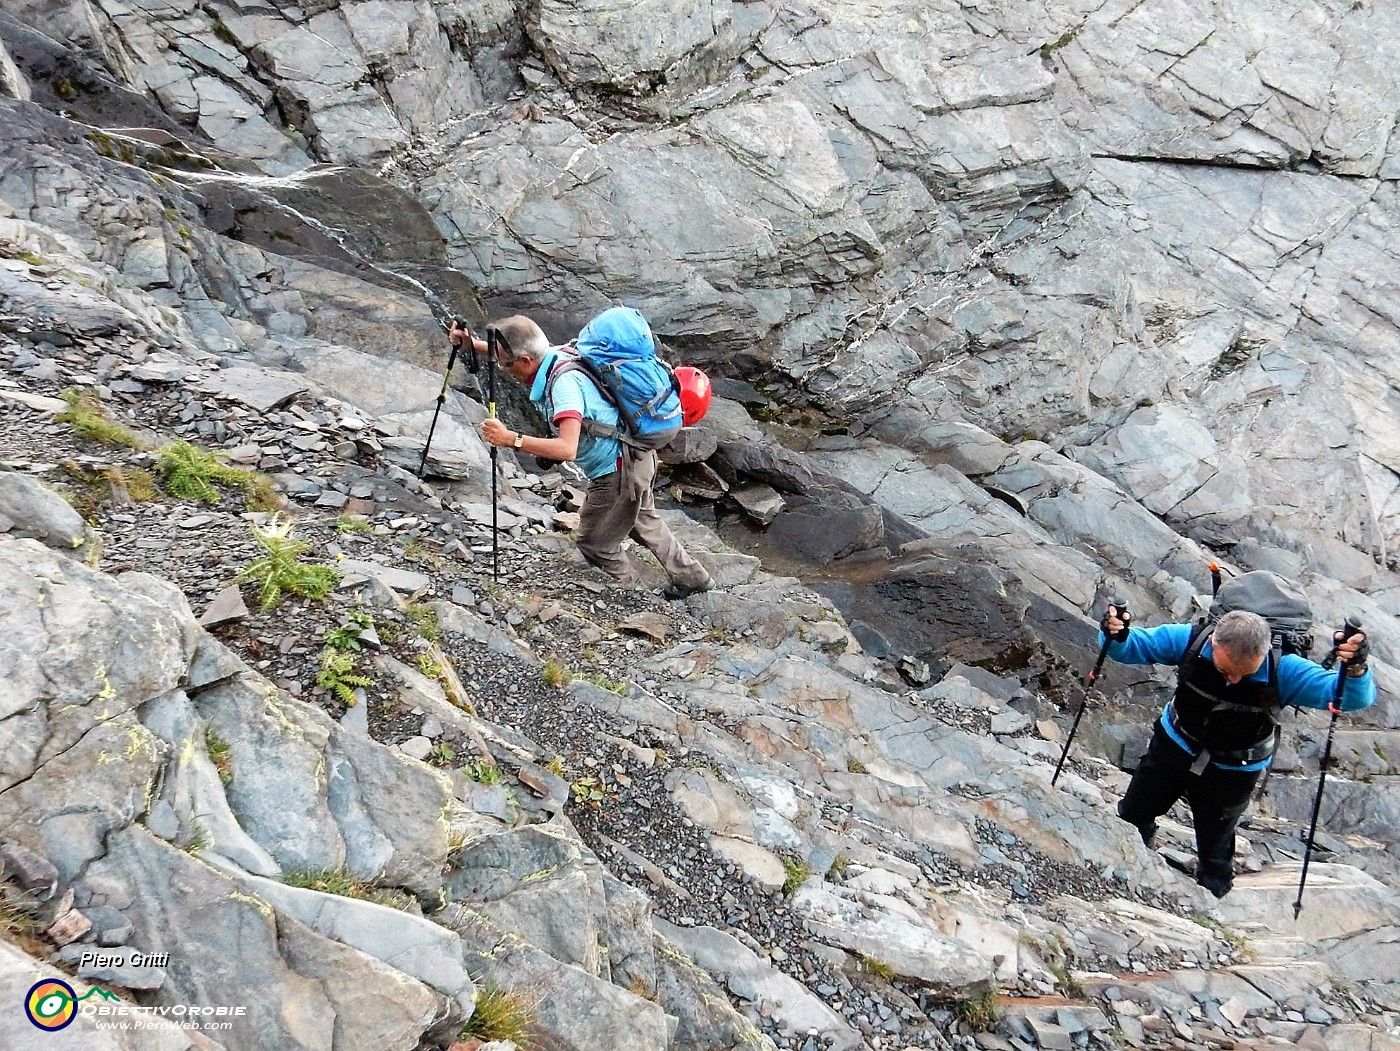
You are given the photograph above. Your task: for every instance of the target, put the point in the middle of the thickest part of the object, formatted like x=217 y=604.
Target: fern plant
x=279 y=569
x=337 y=674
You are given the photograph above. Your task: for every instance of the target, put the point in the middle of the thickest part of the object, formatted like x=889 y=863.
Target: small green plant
x=431 y=668
x=200 y=841
x=589 y=792
x=855 y=766
x=442 y=753
x=279 y=569
x=347 y=636
x=552 y=673
x=88 y=418
x=337 y=675
x=483 y=773
x=501 y=1015
x=837 y=871
x=797 y=873
x=556 y=766
x=218 y=751
x=425 y=619
x=330 y=881
x=978 y=1015
x=877 y=968
x=352 y=524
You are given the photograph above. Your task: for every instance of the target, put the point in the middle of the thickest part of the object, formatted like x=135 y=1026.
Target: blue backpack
x=617 y=351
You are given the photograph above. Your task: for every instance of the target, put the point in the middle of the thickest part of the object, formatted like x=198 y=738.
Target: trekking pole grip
x=1350 y=628
x=1120 y=606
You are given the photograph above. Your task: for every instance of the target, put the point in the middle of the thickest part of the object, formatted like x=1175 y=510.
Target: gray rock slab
x=404 y=581
x=750 y=977
x=227 y=605
x=617 y=1019
x=914 y=949
x=40 y=513
x=261 y=390
x=65 y=632
x=407 y=943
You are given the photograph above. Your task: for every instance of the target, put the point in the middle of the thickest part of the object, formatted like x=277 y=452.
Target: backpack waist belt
x=1255 y=753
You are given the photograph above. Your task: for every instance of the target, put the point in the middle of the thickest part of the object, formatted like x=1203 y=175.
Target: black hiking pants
x=1218 y=799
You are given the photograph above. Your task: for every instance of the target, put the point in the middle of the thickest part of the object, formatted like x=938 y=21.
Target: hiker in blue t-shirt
x=619 y=500
x=1215 y=738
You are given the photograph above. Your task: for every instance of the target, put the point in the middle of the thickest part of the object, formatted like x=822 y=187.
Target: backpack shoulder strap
x=1200 y=632
x=592 y=428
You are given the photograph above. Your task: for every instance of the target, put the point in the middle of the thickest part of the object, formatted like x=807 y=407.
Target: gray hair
x=1243 y=633
x=524 y=338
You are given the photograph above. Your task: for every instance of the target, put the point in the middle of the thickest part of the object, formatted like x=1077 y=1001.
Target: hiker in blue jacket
x=619 y=499
x=1216 y=736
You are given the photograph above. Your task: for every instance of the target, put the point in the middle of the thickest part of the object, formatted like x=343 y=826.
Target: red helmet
x=695 y=394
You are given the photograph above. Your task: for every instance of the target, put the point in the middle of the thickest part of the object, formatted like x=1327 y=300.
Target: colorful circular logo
x=51 y=1004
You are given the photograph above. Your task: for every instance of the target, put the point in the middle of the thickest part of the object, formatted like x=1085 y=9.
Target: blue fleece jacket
x=1300 y=682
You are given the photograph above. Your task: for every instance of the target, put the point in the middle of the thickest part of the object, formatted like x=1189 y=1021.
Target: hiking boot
x=676 y=592
x=1217 y=886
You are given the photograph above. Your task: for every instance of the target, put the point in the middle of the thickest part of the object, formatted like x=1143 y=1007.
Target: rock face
x=1049 y=305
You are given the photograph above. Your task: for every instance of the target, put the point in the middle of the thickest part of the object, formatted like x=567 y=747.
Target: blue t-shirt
x=575 y=396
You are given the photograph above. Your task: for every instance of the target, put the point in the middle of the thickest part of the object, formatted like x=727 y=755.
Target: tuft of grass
x=218 y=751
x=19 y=922
x=556 y=766
x=338 y=676
x=501 y=1014
x=200 y=841
x=330 y=881
x=877 y=968
x=552 y=673
x=425 y=619
x=855 y=766
x=279 y=569
x=88 y=417
x=352 y=524
x=192 y=473
x=90 y=489
x=797 y=873
x=140 y=484
x=613 y=685
x=979 y=1015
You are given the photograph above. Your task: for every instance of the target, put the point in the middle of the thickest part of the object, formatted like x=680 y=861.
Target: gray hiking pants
x=620 y=504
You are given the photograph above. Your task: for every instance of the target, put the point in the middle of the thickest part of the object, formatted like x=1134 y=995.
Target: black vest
x=1217 y=716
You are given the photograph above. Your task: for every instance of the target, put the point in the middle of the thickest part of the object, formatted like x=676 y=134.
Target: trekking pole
x=1353 y=626
x=442 y=397
x=1122 y=607
x=491 y=337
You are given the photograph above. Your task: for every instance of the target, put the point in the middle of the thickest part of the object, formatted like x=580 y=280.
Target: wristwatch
x=519 y=440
